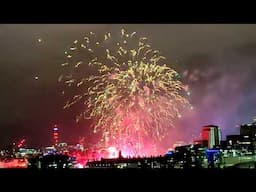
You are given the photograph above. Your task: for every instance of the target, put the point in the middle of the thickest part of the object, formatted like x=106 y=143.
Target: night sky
x=218 y=62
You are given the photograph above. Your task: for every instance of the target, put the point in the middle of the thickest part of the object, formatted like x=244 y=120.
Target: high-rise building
x=248 y=129
x=211 y=134
x=55 y=134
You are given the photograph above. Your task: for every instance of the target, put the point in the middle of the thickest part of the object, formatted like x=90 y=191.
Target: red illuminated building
x=211 y=135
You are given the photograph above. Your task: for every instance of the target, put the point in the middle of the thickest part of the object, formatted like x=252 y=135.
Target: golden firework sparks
x=131 y=92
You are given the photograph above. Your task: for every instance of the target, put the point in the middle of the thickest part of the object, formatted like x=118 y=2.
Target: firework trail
x=125 y=86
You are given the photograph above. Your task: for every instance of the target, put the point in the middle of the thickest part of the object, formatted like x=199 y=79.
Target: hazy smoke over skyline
x=218 y=62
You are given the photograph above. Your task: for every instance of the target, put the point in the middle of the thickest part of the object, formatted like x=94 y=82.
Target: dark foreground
x=129 y=177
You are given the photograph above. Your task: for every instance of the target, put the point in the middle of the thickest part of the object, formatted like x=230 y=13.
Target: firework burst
x=126 y=87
